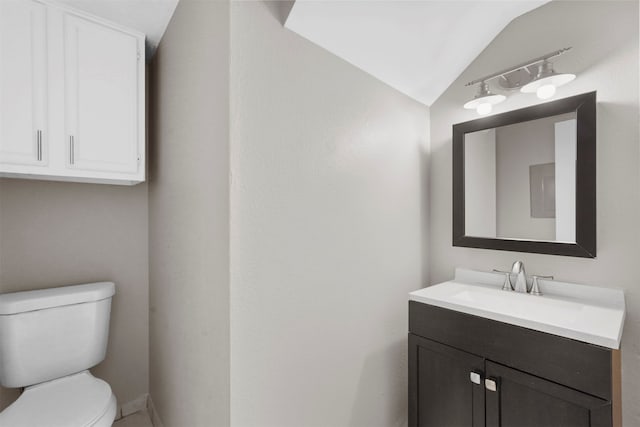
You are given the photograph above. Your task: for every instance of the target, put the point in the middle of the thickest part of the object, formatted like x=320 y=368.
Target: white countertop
x=585 y=313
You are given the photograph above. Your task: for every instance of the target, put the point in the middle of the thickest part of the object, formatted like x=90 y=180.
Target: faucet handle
x=506 y=286
x=535 y=290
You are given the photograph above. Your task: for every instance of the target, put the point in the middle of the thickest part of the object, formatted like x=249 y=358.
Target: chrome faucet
x=521 y=278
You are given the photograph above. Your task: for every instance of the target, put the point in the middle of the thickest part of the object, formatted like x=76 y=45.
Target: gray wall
x=55 y=234
x=518 y=147
x=326 y=220
x=189 y=218
x=604 y=36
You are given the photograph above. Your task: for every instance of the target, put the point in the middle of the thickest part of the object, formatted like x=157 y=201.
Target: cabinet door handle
x=475 y=377
x=491 y=384
x=72 y=156
x=39 y=145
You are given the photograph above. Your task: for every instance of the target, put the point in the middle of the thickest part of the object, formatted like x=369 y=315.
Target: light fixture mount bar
x=523 y=65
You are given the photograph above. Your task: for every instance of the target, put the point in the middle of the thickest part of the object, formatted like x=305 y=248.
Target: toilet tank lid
x=21 y=302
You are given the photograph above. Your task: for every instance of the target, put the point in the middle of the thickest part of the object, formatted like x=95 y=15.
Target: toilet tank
x=50 y=333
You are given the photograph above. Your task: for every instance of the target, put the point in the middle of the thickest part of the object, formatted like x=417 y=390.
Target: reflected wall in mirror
x=520 y=180
x=525 y=180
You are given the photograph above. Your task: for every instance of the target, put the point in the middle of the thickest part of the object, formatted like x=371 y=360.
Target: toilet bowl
x=48 y=341
x=76 y=400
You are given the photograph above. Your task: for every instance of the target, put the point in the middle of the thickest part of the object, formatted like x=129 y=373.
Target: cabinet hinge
x=138 y=55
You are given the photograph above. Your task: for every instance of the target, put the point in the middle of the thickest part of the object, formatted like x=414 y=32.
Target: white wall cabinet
x=72 y=96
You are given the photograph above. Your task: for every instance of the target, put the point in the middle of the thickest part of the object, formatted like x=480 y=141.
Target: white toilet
x=48 y=340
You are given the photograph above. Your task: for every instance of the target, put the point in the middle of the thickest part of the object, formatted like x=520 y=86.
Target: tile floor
x=137 y=419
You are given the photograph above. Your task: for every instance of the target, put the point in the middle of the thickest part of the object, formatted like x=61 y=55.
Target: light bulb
x=546 y=91
x=484 y=108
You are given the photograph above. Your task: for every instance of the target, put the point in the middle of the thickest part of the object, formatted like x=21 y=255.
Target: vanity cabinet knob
x=491 y=384
x=475 y=377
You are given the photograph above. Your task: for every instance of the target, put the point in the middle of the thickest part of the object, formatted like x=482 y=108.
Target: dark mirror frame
x=585 y=107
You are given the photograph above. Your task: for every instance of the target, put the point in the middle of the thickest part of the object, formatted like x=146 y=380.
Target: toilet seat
x=78 y=400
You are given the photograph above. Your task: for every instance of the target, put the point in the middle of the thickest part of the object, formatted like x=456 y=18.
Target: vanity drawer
x=582 y=366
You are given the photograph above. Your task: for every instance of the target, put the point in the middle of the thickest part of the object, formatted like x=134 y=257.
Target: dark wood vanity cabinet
x=468 y=371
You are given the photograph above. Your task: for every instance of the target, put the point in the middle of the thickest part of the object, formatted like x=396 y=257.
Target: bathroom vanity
x=481 y=356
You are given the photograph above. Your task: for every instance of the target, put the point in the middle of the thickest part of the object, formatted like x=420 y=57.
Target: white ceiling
x=147 y=16
x=416 y=47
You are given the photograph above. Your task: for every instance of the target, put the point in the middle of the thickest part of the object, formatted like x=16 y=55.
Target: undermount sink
x=585 y=313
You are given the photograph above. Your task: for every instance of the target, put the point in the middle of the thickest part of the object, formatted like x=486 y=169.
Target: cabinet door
x=102 y=97
x=23 y=82
x=442 y=390
x=523 y=400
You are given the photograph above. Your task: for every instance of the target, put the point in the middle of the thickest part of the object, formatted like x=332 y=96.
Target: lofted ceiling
x=416 y=47
x=150 y=17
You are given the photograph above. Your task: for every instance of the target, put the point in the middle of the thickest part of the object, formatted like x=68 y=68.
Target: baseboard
x=153 y=414
x=133 y=406
x=139 y=404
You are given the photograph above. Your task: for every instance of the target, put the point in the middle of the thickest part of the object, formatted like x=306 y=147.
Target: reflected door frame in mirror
x=584 y=106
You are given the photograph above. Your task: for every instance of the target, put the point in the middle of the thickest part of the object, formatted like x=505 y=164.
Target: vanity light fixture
x=534 y=76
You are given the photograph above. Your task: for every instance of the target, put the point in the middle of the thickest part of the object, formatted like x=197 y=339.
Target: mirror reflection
x=520 y=180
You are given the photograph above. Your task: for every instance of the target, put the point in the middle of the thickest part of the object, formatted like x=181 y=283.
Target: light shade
x=547 y=77
x=482 y=98
x=491 y=99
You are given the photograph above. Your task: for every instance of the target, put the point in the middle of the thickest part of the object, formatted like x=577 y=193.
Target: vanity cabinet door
x=523 y=400
x=23 y=83
x=445 y=386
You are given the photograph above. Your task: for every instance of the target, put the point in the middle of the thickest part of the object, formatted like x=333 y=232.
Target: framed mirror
x=525 y=180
